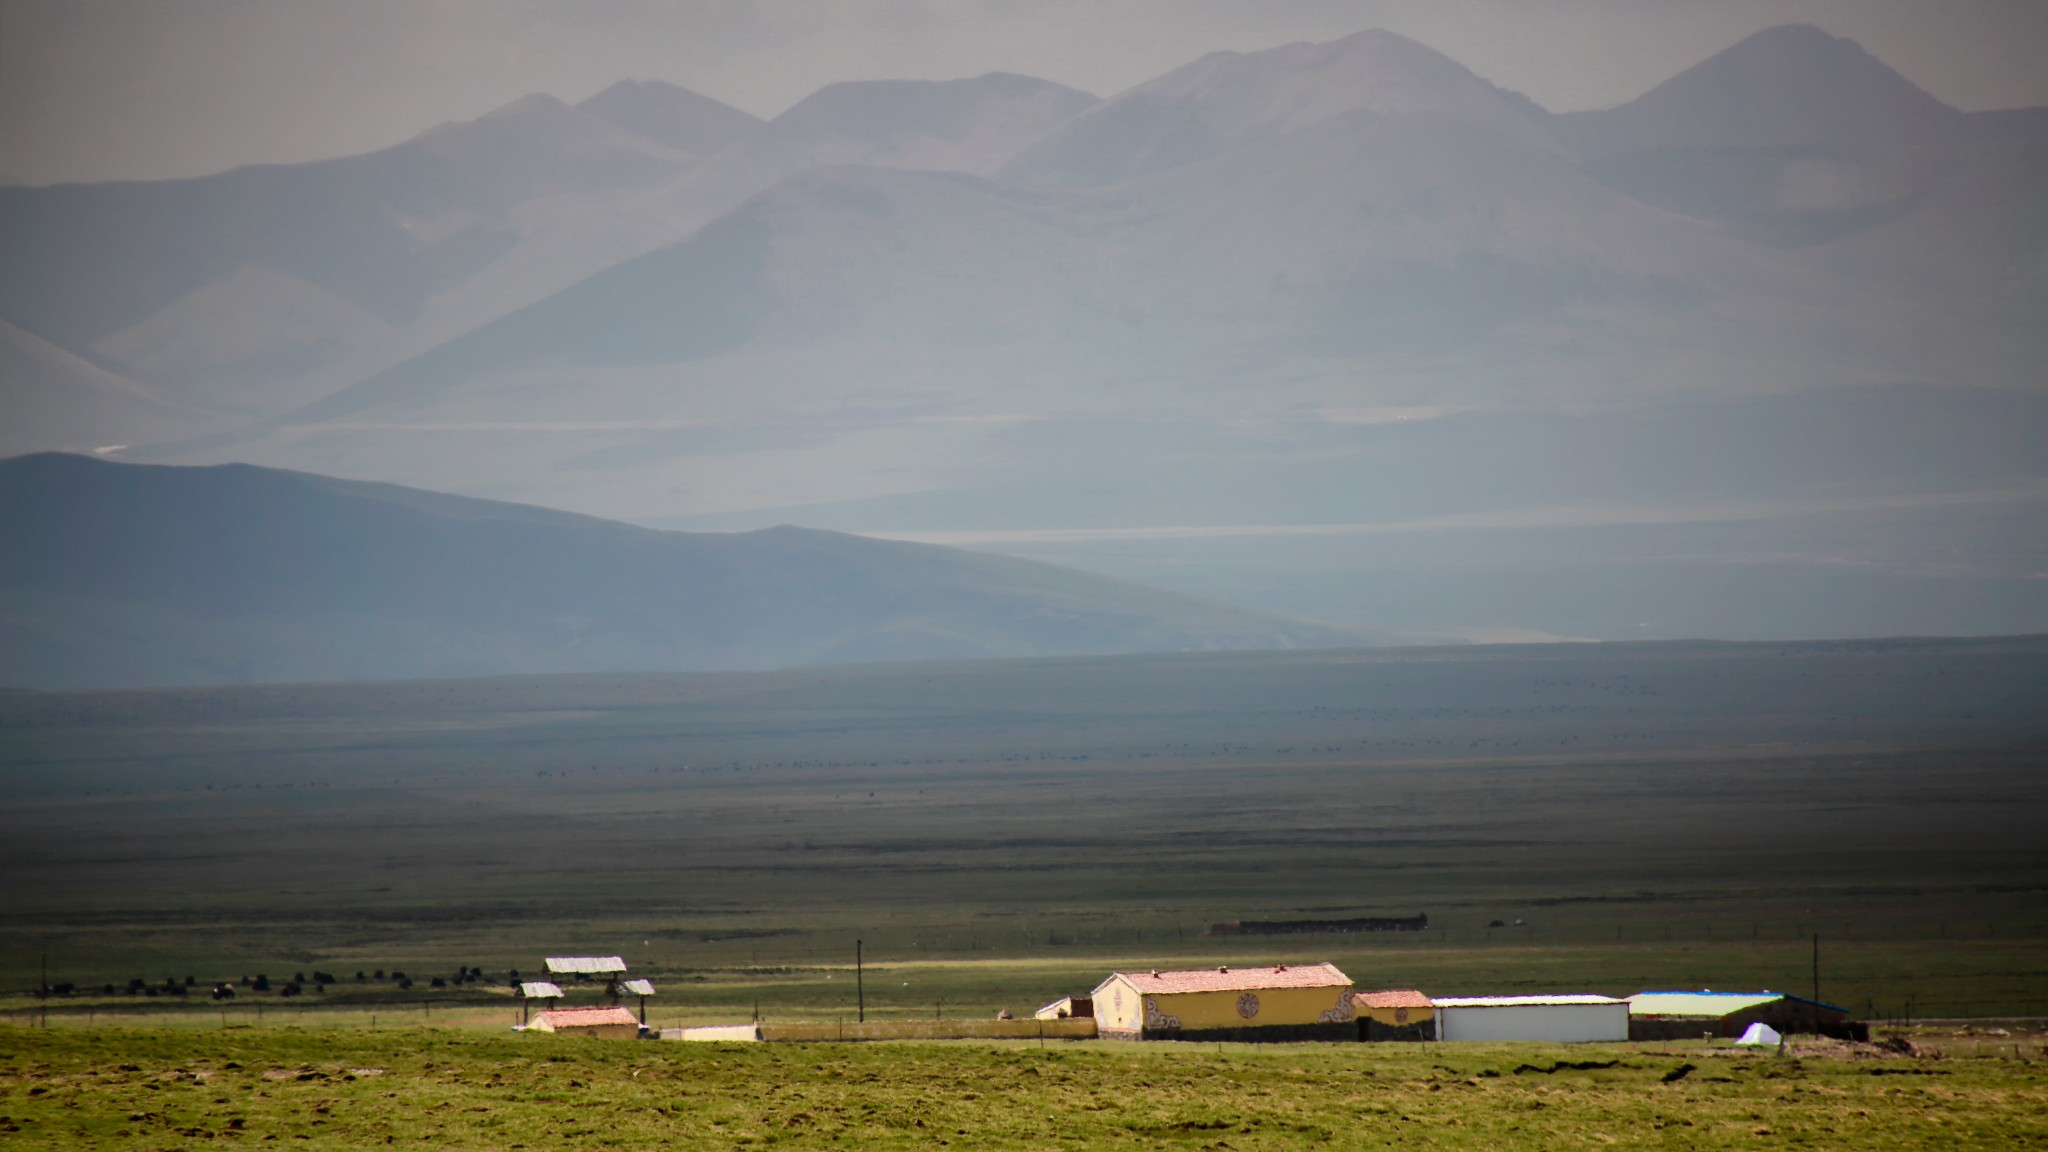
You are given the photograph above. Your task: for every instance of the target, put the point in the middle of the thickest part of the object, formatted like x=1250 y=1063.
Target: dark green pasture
x=1631 y=816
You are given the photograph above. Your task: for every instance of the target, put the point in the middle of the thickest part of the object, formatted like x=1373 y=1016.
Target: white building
x=1557 y=1019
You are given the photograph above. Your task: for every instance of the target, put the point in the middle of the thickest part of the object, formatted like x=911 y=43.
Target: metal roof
x=1226 y=979
x=638 y=987
x=1520 y=1001
x=539 y=990
x=1393 y=998
x=585 y=965
x=1816 y=1003
x=1705 y=1004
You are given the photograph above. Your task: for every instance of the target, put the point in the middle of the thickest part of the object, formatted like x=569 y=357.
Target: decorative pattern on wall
x=1248 y=1005
x=1342 y=1013
x=1154 y=1018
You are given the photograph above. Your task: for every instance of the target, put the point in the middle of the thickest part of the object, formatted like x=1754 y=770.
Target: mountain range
x=1221 y=301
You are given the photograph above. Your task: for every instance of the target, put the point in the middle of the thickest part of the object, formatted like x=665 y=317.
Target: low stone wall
x=742 y=1033
x=929 y=1030
x=1263 y=1034
x=1377 y=1032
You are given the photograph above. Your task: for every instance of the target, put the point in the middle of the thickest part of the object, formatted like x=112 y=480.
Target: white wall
x=1558 y=1023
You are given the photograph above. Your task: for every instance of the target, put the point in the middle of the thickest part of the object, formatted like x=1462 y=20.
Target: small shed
x=1066 y=1008
x=1395 y=1014
x=1556 y=1019
x=612 y=1022
x=1692 y=1015
x=641 y=988
x=535 y=990
x=1280 y=1002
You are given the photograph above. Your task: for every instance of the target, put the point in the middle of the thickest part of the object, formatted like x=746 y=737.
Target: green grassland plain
x=1001 y=833
x=324 y=1088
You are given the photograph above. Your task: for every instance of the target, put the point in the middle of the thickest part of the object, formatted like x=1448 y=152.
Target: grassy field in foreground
x=351 y=1089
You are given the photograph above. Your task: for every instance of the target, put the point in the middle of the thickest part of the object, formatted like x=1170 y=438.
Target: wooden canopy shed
x=1281 y=1002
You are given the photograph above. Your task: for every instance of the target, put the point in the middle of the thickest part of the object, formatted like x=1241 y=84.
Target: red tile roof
x=1392 y=998
x=588 y=1017
x=1237 y=979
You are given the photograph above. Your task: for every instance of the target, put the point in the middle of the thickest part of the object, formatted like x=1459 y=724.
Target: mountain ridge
x=132 y=574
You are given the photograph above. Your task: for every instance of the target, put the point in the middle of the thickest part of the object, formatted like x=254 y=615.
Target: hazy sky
x=108 y=89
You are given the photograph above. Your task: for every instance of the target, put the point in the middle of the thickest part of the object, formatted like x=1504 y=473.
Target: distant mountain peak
x=1227 y=99
x=1778 y=54
x=531 y=104
x=933 y=107
x=973 y=124
x=534 y=107
x=1789 y=86
x=672 y=115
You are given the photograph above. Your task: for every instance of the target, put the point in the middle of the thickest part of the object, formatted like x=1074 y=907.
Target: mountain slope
x=1361 y=236
x=51 y=397
x=260 y=288
x=382 y=231
x=127 y=574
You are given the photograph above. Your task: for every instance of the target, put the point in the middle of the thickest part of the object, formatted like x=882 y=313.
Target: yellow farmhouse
x=1312 y=1002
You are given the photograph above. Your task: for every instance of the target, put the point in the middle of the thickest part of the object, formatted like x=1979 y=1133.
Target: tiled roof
x=1697 y=1003
x=1392 y=998
x=586 y=965
x=1237 y=979
x=1519 y=1001
x=587 y=1017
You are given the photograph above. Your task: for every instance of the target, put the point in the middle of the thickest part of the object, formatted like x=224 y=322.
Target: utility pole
x=1816 y=983
x=860 y=987
x=43 y=979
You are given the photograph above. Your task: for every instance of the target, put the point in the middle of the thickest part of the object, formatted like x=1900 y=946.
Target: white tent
x=1760 y=1033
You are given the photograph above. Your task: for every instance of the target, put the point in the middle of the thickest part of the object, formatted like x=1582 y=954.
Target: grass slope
x=330 y=1089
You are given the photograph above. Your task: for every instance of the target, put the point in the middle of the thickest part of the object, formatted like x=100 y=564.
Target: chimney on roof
x=1223 y=968
x=1155 y=971
x=1280 y=968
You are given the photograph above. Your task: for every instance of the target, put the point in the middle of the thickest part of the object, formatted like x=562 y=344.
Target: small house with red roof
x=1272 y=1002
x=1395 y=1014
x=607 y=1021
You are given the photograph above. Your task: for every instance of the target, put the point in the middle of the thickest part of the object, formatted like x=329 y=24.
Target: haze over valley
x=1341 y=331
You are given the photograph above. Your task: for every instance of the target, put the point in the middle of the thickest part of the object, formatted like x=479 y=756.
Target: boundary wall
x=831 y=1031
